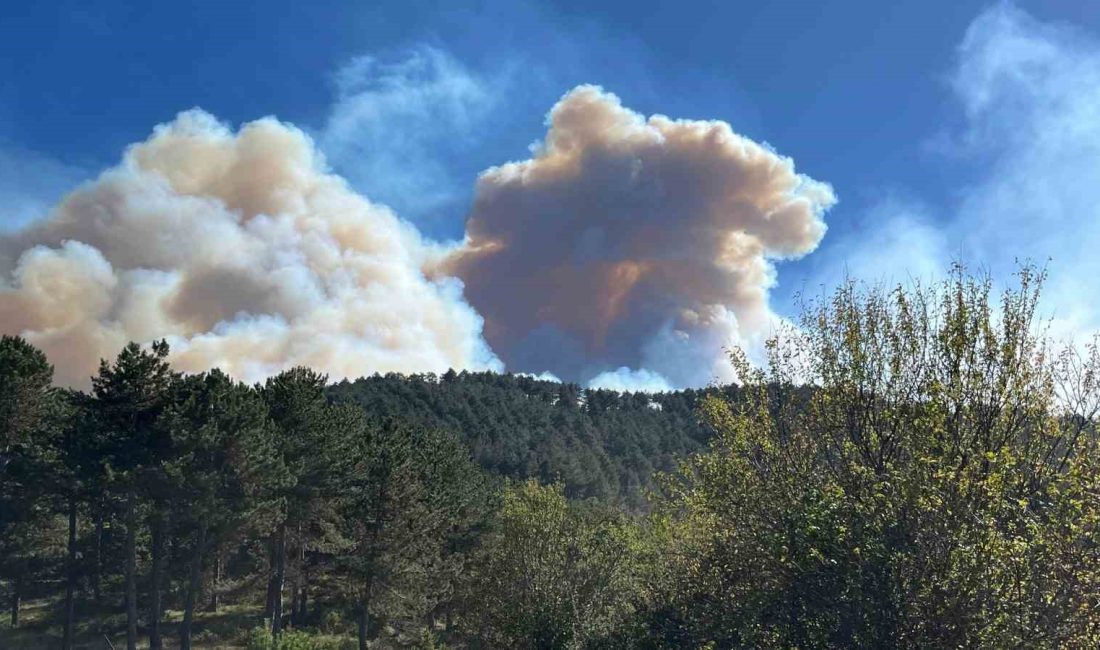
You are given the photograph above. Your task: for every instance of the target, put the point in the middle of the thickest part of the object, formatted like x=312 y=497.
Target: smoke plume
x=244 y=253
x=626 y=252
x=628 y=243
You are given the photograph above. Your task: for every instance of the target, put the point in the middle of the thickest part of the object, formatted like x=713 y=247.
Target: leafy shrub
x=259 y=638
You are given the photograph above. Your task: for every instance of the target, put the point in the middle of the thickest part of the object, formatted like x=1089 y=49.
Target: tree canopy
x=913 y=466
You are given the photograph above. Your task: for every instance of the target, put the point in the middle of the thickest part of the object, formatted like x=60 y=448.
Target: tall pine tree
x=131 y=394
x=26 y=408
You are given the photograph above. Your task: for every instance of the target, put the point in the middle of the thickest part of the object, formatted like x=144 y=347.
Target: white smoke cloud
x=626 y=380
x=626 y=253
x=244 y=252
x=634 y=242
x=542 y=376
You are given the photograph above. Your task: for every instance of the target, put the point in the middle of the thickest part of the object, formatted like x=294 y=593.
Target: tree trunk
x=156 y=611
x=364 y=604
x=214 y=594
x=363 y=626
x=269 y=606
x=296 y=583
x=131 y=572
x=280 y=576
x=70 y=578
x=16 y=596
x=194 y=585
x=368 y=583
x=303 y=609
x=98 y=572
x=299 y=581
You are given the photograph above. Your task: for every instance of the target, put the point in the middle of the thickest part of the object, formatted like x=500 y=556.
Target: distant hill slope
x=599 y=443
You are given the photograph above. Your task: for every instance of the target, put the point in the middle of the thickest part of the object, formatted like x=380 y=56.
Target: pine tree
x=72 y=470
x=310 y=451
x=223 y=455
x=27 y=408
x=411 y=500
x=130 y=396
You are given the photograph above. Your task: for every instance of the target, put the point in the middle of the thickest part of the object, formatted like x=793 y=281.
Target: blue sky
x=948 y=130
x=831 y=84
x=835 y=85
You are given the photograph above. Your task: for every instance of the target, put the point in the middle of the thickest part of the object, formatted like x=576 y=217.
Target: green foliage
x=598 y=443
x=317 y=448
x=936 y=487
x=260 y=638
x=411 y=501
x=332 y=622
x=223 y=453
x=911 y=468
x=551 y=574
x=25 y=394
x=130 y=395
x=28 y=413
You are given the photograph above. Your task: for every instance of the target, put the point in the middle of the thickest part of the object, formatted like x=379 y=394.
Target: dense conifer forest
x=916 y=467
x=596 y=443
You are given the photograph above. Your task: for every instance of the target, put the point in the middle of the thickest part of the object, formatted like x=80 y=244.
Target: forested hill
x=598 y=443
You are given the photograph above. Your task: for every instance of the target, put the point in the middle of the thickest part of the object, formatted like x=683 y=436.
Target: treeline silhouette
x=916 y=467
x=597 y=443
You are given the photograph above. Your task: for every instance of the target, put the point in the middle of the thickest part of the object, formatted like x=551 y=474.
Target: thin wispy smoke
x=1028 y=93
x=31 y=183
x=244 y=253
x=396 y=123
x=633 y=242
